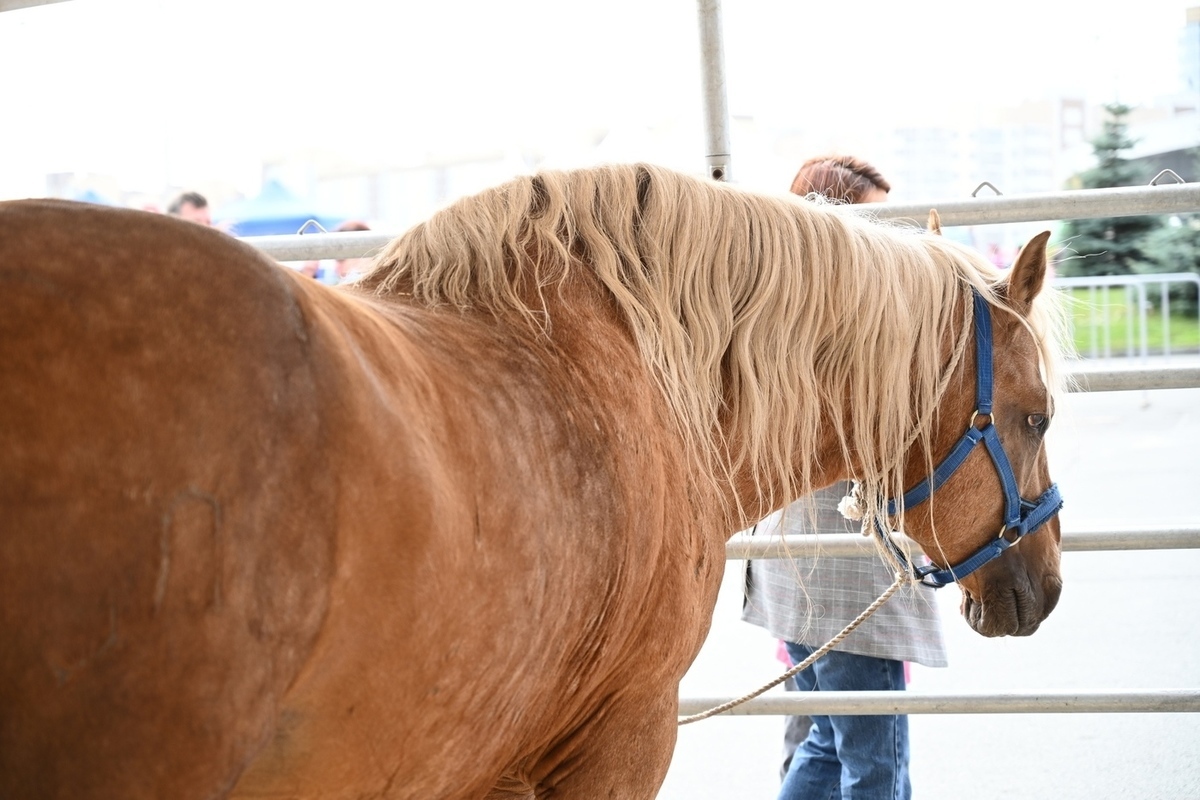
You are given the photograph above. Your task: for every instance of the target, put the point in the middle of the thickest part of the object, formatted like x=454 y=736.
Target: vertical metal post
x=1131 y=320
x=1107 y=322
x=1095 y=325
x=716 y=106
x=1166 y=308
x=1143 y=306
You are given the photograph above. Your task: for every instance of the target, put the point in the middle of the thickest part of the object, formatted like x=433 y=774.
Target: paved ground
x=1126 y=620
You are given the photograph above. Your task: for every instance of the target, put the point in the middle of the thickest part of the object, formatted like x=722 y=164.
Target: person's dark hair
x=843 y=179
x=191 y=198
x=352 y=225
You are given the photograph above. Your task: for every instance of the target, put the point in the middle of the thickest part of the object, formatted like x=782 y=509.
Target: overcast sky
x=189 y=91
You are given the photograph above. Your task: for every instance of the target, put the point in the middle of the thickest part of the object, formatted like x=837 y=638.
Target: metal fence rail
x=1136 y=303
x=1079 y=204
x=1129 y=701
x=906 y=702
x=1130 y=201
x=853 y=544
x=315 y=246
x=1091 y=378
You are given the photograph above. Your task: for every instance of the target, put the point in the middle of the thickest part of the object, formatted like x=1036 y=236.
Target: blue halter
x=1021 y=517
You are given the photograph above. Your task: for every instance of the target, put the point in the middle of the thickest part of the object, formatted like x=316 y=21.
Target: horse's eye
x=1039 y=422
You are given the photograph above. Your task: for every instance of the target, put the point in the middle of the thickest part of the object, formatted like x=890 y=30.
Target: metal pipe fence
x=853 y=544
x=908 y=702
x=1096 y=378
x=915 y=702
x=712 y=79
x=1136 y=302
x=1077 y=204
x=1127 y=201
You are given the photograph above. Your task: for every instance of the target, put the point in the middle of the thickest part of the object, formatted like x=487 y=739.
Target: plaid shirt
x=810 y=600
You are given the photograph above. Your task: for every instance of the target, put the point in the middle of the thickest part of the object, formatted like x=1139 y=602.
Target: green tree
x=1110 y=245
x=1175 y=247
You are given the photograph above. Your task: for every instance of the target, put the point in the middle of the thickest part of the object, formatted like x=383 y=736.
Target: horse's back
x=264 y=537
x=158 y=593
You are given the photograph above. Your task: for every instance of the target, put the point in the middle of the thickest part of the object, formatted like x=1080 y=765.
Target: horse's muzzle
x=1008 y=605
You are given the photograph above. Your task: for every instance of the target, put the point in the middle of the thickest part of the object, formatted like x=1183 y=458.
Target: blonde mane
x=761 y=318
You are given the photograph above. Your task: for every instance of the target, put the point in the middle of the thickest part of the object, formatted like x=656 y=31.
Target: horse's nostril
x=1004 y=615
x=1023 y=610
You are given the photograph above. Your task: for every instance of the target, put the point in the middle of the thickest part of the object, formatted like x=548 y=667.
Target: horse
x=456 y=530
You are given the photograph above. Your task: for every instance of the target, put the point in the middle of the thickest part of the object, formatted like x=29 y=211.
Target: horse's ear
x=1028 y=275
x=935 y=222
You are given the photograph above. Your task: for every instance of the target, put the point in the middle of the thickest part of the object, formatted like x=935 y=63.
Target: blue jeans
x=849 y=757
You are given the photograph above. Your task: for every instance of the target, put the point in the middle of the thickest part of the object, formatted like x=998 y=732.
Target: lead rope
x=901 y=579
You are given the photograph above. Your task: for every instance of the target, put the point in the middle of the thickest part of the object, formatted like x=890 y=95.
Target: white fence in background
x=1137 y=306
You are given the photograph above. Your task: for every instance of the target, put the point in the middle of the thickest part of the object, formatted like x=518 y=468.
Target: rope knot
x=850 y=506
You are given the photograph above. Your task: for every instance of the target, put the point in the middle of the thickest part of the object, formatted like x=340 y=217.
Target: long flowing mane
x=760 y=317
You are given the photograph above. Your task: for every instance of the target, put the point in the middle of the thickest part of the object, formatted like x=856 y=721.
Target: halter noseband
x=1021 y=517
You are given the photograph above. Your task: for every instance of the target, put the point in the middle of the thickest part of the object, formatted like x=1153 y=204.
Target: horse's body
x=263 y=538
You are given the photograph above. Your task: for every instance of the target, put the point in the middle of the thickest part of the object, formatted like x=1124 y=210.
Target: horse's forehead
x=1017 y=361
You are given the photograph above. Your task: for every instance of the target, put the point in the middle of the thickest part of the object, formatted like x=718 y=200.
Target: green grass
x=1088 y=316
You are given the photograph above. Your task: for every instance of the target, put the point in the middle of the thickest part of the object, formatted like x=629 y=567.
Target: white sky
x=197 y=91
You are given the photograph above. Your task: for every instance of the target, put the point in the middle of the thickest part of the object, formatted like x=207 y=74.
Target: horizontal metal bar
x=1128 y=201
x=1078 y=204
x=1137 y=701
x=13 y=5
x=1089 y=378
x=808 y=546
x=1172 y=538
x=316 y=246
x=1125 y=280
x=853 y=544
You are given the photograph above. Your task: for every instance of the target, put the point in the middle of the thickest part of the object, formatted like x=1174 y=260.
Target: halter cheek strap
x=1021 y=516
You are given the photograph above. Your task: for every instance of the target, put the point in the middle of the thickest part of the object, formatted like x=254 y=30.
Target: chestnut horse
x=456 y=531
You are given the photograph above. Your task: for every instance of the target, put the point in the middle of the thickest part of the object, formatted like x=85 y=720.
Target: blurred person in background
x=805 y=602
x=191 y=206
x=349 y=269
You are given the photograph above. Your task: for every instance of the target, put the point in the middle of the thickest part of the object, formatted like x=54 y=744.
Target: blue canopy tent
x=93 y=197
x=274 y=211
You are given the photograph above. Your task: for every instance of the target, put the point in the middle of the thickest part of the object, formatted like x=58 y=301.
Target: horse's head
x=992 y=522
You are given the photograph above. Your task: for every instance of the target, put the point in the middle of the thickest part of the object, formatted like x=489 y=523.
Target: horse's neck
x=755 y=501
x=592 y=338
x=591 y=333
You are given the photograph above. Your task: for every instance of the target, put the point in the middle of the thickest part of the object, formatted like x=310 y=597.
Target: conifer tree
x=1110 y=245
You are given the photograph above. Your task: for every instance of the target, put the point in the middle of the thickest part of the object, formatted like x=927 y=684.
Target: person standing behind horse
x=350 y=269
x=191 y=206
x=804 y=602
